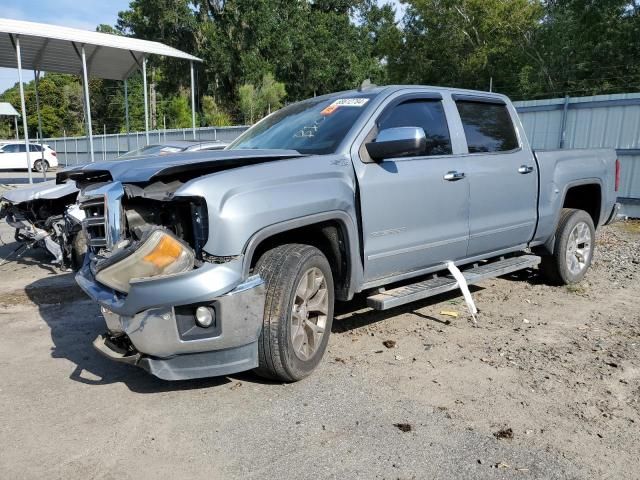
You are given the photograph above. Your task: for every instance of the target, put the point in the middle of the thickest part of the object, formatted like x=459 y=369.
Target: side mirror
x=397 y=142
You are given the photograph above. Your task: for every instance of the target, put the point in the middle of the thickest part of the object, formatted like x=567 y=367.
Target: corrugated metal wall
x=609 y=121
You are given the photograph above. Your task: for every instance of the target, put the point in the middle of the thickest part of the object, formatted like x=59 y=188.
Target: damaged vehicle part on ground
x=212 y=263
x=46 y=216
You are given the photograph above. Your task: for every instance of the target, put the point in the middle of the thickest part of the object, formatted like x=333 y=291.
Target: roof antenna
x=366 y=85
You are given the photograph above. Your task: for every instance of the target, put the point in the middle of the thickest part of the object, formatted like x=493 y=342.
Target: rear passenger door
x=412 y=216
x=502 y=176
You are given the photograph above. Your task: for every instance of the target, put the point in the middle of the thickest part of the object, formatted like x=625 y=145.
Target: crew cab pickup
x=212 y=263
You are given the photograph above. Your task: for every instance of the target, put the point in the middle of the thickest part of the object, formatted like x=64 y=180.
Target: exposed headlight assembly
x=160 y=254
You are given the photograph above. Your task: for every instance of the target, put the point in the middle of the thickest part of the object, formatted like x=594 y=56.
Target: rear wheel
x=298 y=312
x=573 y=248
x=41 y=166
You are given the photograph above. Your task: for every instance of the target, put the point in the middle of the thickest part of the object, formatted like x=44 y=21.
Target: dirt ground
x=547 y=385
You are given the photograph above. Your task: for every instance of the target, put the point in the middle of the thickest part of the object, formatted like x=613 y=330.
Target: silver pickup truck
x=212 y=263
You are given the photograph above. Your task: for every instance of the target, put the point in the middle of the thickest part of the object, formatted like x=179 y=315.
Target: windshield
x=152 y=150
x=315 y=126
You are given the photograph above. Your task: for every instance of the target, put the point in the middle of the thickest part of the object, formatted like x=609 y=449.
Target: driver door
x=413 y=218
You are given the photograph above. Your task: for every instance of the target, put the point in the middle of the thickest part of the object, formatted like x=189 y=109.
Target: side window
x=22 y=148
x=34 y=148
x=10 y=148
x=428 y=114
x=487 y=126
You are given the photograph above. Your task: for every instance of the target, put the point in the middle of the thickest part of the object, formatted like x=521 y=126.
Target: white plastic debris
x=462 y=284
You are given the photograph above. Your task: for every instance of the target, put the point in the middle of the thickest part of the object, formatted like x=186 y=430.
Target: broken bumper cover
x=149 y=317
x=186 y=366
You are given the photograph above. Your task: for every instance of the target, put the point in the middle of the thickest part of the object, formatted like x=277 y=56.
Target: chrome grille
x=95 y=221
x=103 y=220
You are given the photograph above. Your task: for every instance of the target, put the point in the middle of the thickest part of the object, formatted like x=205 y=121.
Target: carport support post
x=15 y=121
x=126 y=115
x=36 y=76
x=85 y=78
x=23 y=107
x=193 y=102
x=146 y=102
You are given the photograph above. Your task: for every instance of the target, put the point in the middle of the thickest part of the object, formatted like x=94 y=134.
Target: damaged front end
x=141 y=233
x=46 y=217
x=168 y=307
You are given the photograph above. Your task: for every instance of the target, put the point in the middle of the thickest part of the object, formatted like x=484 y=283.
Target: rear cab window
x=488 y=127
x=425 y=113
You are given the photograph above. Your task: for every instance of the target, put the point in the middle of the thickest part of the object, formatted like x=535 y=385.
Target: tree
x=249 y=103
x=587 y=47
x=270 y=94
x=178 y=112
x=464 y=43
x=212 y=114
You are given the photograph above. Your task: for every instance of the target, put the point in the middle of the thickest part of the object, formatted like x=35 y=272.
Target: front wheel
x=573 y=248
x=298 y=311
x=41 y=166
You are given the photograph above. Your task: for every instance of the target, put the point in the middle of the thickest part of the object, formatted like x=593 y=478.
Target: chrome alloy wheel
x=309 y=313
x=579 y=248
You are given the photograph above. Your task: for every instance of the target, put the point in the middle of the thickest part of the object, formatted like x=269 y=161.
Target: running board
x=446 y=283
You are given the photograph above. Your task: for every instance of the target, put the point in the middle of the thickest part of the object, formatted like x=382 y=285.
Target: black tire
x=41 y=166
x=78 y=250
x=282 y=269
x=555 y=267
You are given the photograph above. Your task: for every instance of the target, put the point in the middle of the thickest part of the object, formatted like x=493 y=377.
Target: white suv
x=14 y=156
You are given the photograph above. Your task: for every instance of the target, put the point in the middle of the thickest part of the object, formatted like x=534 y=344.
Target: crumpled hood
x=41 y=191
x=146 y=169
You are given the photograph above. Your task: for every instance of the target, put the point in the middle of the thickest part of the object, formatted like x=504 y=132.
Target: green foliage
x=258 y=102
x=212 y=114
x=530 y=48
x=178 y=112
x=465 y=43
x=248 y=102
x=271 y=93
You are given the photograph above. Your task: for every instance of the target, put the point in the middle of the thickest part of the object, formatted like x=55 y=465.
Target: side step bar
x=446 y=283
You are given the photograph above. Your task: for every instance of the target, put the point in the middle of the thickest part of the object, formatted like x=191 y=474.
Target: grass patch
x=631 y=226
x=577 y=289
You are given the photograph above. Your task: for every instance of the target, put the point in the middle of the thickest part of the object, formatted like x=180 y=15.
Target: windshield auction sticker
x=344 y=102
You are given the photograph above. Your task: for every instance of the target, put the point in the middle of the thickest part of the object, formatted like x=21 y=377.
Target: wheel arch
x=577 y=195
x=334 y=233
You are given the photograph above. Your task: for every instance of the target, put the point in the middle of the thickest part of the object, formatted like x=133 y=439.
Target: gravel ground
x=547 y=385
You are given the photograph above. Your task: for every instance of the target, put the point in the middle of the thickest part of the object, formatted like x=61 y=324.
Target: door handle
x=524 y=169
x=454 y=176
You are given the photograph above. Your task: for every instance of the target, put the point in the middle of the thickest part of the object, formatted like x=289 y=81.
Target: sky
x=84 y=14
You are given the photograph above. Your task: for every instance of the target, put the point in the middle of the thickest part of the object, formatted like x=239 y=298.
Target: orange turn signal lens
x=166 y=252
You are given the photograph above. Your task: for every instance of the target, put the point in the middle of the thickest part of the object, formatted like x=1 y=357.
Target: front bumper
x=187 y=366
x=148 y=317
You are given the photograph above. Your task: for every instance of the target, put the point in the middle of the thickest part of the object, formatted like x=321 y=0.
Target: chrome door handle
x=454 y=176
x=524 y=169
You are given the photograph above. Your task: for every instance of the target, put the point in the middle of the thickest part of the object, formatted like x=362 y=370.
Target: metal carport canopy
x=51 y=48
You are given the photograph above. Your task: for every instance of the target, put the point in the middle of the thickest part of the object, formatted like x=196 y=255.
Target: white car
x=13 y=156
